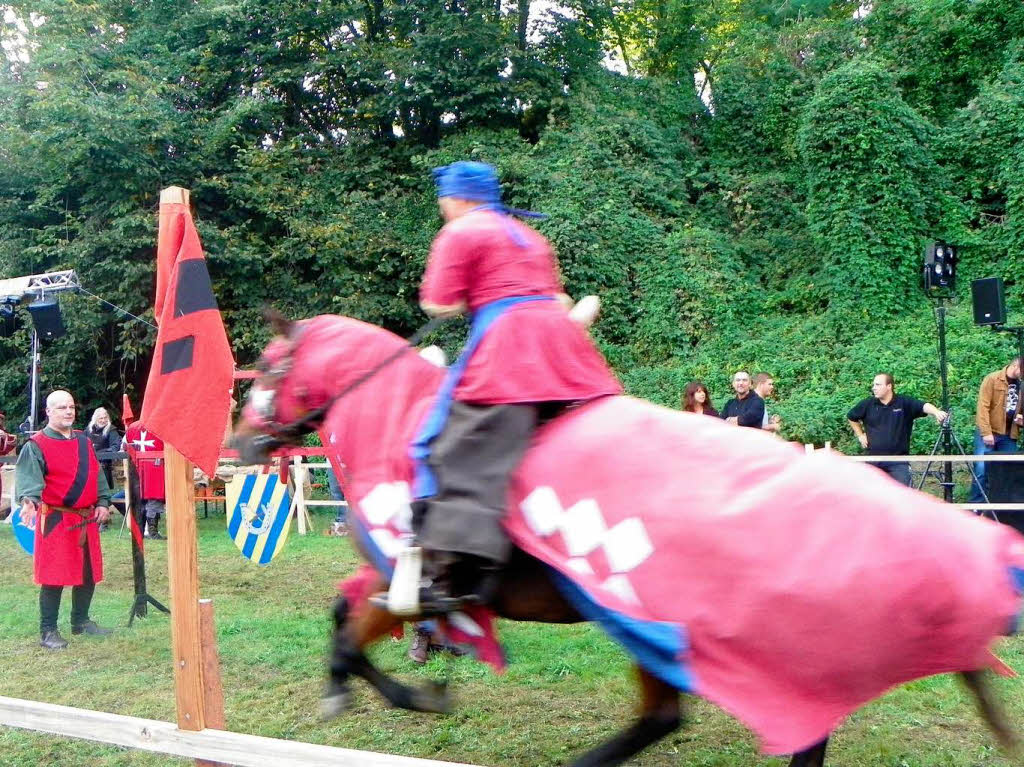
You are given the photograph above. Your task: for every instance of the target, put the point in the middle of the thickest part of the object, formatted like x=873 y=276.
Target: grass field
x=567 y=687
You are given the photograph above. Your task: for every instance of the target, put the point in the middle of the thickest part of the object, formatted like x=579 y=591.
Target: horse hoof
x=433 y=698
x=335 y=705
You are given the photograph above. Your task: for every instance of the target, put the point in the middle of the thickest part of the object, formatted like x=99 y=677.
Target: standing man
x=764 y=387
x=525 y=359
x=747 y=407
x=888 y=419
x=65 y=495
x=7 y=443
x=146 y=478
x=998 y=419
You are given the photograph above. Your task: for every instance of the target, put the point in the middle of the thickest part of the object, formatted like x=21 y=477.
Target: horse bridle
x=278 y=434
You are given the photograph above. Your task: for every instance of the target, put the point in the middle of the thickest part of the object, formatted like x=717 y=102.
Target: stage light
x=939 y=271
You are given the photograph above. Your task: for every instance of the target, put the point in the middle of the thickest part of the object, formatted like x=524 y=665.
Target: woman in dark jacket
x=697 y=399
x=104 y=436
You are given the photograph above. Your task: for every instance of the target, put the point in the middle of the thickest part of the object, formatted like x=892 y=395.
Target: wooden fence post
x=183 y=577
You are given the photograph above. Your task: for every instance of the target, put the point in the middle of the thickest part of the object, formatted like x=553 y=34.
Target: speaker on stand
x=46 y=318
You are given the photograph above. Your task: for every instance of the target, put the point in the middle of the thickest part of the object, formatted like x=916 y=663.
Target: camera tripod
x=947 y=439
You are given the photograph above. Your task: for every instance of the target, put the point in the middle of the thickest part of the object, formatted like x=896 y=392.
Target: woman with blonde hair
x=104 y=436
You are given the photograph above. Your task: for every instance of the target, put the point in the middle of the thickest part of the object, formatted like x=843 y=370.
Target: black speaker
x=988 y=301
x=46 y=318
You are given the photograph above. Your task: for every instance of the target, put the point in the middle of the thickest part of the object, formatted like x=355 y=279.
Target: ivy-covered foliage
x=754 y=191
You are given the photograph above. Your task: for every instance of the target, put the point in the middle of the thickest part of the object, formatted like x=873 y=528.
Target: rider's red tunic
x=533 y=352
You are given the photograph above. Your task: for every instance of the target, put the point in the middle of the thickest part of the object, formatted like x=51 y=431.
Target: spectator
x=104 y=438
x=59 y=479
x=764 y=387
x=746 y=408
x=998 y=419
x=7 y=443
x=888 y=419
x=147 y=478
x=697 y=399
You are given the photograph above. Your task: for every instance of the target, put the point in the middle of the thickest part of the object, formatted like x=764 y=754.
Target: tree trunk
x=524 y=20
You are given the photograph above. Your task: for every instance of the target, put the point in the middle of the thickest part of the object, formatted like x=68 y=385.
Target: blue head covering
x=477 y=182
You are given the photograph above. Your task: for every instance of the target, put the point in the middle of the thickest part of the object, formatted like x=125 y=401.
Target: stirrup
x=428 y=604
x=408 y=598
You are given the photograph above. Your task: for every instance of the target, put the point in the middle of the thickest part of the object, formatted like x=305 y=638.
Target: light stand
x=33 y=410
x=939 y=281
x=946 y=436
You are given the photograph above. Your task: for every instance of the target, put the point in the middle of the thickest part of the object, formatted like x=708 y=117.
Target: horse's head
x=277 y=412
x=311 y=364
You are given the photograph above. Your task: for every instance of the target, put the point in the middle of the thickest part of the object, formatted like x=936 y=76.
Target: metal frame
x=32 y=287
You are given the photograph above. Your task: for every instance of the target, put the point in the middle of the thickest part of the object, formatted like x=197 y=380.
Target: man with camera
x=998 y=420
x=888 y=419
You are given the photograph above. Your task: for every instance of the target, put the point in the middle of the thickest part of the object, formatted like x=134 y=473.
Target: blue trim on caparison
x=377 y=559
x=424 y=482
x=657 y=646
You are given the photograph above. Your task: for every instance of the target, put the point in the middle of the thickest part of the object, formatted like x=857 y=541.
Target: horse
x=365 y=390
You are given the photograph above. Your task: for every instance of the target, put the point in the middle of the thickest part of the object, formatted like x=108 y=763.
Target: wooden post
x=299 y=478
x=183 y=572
x=212 y=688
x=213 y=691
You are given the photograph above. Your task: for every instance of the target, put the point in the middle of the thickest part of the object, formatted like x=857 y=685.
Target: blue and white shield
x=25 y=535
x=259 y=515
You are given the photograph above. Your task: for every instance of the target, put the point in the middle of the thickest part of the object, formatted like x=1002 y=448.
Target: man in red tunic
x=147 y=477
x=525 y=360
x=65 y=495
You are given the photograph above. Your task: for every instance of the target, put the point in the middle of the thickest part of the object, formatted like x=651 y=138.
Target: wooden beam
x=215 y=745
x=183 y=579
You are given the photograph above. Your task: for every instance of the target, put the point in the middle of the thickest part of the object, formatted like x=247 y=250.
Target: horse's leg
x=351 y=635
x=810 y=757
x=990 y=710
x=659 y=716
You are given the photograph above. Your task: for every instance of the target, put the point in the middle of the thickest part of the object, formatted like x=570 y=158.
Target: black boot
x=52 y=640
x=91 y=628
x=153 y=529
x=451 y=582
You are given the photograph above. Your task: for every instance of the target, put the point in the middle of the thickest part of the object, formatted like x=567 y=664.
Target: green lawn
x=567 y=687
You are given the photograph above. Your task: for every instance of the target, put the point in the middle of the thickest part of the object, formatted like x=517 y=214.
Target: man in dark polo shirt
x=888 y=419
x=746 y=408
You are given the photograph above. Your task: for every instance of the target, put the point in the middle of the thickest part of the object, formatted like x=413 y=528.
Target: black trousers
x=81 y=599
x=472 y=458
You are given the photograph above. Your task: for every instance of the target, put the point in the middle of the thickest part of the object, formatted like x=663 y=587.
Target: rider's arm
x=441 y=310
x=444 y=291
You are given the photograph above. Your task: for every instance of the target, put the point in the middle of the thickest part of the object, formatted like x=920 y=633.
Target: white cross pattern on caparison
x=626 y=545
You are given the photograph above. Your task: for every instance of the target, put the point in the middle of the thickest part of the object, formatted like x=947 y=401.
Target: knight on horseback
x=525 y=360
